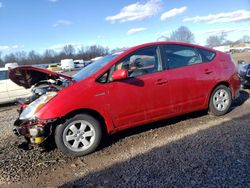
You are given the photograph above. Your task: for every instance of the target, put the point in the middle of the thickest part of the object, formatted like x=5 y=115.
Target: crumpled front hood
x=27 y=76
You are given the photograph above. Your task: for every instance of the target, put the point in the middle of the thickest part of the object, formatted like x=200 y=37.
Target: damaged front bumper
x=34 y=131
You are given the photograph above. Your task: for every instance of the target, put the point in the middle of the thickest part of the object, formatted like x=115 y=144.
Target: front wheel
x=79 y=135
x=220 y=100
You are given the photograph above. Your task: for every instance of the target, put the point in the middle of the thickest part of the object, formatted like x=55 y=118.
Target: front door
x=131 y=99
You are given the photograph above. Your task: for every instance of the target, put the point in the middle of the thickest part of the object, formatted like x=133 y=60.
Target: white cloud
x=1 y=4
x=136 y=30
x=6 y=48
x=53 y=1
x=62 y=23
x=235 y=16
x=225 y=30
x=173 y=12
x=136 y=11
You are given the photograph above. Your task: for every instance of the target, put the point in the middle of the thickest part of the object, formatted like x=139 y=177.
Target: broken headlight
x=36 y=105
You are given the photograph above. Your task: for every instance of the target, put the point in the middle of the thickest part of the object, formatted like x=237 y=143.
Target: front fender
x=70 y=101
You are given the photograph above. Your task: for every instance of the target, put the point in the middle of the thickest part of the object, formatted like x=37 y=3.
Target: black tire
x=65 y=130
x=215 y=108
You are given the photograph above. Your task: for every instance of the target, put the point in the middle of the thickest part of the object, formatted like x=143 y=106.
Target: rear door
x=189 y=77
x=4 y=97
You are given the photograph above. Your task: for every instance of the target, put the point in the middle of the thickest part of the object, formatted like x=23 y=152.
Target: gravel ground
x=8 y=115
x=195 y=150
x=17 y=164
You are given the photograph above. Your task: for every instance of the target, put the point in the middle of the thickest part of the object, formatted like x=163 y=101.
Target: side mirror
x=120 y=75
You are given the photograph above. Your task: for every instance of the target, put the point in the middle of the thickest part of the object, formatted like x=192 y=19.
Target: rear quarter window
x=207 y=55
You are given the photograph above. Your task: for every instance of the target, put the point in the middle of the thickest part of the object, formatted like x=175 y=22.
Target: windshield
x=93 y=67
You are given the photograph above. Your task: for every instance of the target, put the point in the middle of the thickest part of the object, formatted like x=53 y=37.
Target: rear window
x=3 y=75
x=207 y=55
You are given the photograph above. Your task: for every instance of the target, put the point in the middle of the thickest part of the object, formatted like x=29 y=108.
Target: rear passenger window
x=179 y=56
x=207 y=55
x=3 y=75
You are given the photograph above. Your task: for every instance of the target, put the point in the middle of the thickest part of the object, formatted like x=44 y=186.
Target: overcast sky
x=51 y=24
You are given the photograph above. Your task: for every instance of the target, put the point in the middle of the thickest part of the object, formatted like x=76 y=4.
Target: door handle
x=161 y=82
x=207 y=71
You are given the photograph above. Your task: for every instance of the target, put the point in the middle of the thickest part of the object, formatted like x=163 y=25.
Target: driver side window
x=143 y=61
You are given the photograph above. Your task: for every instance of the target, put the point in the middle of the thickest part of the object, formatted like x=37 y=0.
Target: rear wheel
x=220 y=100
x=79 y=135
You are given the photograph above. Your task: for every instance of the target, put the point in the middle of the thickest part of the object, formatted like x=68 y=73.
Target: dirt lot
x=241 y=56
x=195 y=150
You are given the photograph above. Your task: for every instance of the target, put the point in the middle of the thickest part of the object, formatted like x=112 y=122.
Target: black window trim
x=202 y=55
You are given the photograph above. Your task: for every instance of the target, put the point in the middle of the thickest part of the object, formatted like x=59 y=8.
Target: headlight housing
x=36 y=105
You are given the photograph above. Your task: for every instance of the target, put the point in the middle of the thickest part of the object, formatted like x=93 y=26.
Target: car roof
x=172 y=42
x=133 y=48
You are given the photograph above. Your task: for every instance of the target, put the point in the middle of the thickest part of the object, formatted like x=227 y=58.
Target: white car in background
x=9 y=91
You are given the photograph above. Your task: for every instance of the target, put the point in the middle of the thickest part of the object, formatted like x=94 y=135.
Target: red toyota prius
x=143 y=84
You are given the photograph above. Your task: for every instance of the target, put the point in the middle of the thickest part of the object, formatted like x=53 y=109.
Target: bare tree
x=213 y=41
x=223 y=37
x=20 y=56
x=33 y=58
x=68 y=50
x=81 y=51
x=217 y=40
x=49 y=56
x=182 y=34
x=245 y=38
x=9 y=58
x=95 y=51
x=49 y=53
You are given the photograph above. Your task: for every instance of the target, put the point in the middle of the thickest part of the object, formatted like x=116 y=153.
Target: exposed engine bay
x=44 y=86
